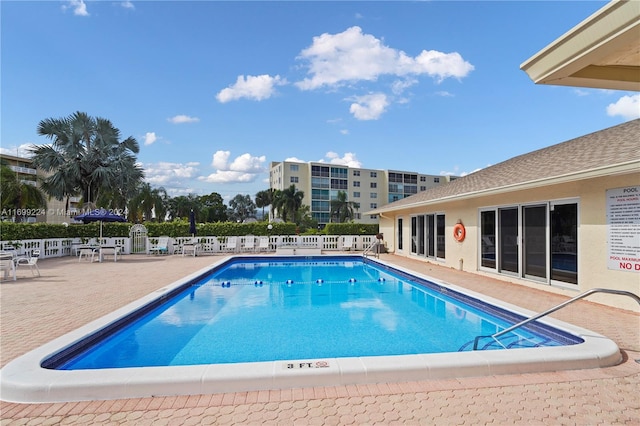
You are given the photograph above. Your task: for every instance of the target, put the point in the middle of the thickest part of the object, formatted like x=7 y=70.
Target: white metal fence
x=59 y=247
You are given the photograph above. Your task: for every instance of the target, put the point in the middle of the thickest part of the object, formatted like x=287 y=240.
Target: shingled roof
x=608 y=151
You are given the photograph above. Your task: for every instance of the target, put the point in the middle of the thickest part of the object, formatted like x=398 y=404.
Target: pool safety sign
x=623 y=229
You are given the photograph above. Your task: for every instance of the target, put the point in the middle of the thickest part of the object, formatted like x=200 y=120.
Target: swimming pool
x=227 y=345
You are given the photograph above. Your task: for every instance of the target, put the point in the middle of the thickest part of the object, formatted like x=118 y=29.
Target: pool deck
x=69 y=294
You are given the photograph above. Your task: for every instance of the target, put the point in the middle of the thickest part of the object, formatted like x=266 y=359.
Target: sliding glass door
x=535 y=241
x=509 y=254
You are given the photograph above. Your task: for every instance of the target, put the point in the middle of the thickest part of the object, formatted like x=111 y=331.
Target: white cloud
x=150 y=138
x=167 y=174
x=78 y=6
x=179 y=119
x=127 y=5
x=244 y=168
x=627 y=106
x=228 y=176
x=344 y=131
x=294 y=160
x=251 y=87
x=444 y=94
x=369 y=107
x=348 y=159
x=17 y=151
x=399 y=86
x=334 y=59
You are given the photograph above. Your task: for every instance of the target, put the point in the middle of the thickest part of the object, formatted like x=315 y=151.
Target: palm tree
x=342 y=209
x=264 y=199
x=181 y=206
x=148 y=201
x=287 y=202
x=16 y=195
x=85 y=157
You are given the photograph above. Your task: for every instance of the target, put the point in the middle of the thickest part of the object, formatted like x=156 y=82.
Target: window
x=423 y=178
x=436 y=180
x=320 y=171
x=400 y=234
x=317 y=182
x=423 y=188
x=338 y=172
x=373 y=195
x=293 y=179
x=293 y=167
x=373 y=205
x=374 y=174
x=410 y=178
x=319 y=194
x=356 y=172
x=356 y=183
x=357 y=216
x=339 y=184
x=537 y=241
x=320 y=206
x=373 y=216
x=395 y=177
x=356 y=194
x=374 y=185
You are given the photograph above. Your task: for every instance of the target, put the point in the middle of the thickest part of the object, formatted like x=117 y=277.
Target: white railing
x=59 y=247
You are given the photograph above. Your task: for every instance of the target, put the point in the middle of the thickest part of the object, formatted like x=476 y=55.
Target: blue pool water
x=251 y=309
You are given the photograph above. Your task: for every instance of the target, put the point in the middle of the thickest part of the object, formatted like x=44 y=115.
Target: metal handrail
x=555 y=308
x=371 y=246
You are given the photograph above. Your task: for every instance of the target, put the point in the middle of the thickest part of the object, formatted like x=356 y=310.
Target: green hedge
x=351 y=229
x=10 y=231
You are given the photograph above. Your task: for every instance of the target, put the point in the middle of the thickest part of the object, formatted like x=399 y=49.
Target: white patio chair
x=31 y=262
x=232 y=244
x=347 y=243
x=263 y=244
x=249 y=243
x=162 y=247
x=7 y=265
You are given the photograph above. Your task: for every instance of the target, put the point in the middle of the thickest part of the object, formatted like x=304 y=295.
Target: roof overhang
x=603 y=51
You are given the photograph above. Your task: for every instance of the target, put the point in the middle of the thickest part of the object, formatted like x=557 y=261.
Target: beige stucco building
x=369 y=188
x=566 y=217
x=56 y=210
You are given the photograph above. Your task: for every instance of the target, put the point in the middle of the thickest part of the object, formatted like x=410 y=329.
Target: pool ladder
x=370 y=247
x=555 y=308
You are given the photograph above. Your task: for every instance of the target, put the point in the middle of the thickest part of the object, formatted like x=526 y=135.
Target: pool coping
x=23 y=380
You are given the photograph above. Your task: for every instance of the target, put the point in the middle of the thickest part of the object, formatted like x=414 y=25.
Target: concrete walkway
x=70 y=294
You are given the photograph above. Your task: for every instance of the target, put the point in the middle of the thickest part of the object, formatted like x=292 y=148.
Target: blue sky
x=215 y=91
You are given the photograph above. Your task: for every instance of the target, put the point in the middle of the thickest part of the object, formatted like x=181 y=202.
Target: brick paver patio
x=69 y=294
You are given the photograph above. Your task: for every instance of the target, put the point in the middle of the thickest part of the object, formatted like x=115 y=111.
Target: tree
x=241 y=207
x=342 y=209
x=264 y=199
x=86 y=157
x=147 y=202
x=16 y=195
x=287 y=202
x=181 y=206
x=213 y=208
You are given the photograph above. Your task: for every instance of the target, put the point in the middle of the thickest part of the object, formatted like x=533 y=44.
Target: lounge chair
x=7 y=264
x=249 y=243
x=232 y=244
x=190 y=247
x=263 y=244
x=347 y=243
x=162 y=247
x=31 y=262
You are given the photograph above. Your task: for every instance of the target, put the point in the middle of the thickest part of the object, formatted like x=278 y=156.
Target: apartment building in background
x=55 y=212
x=369 y=188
